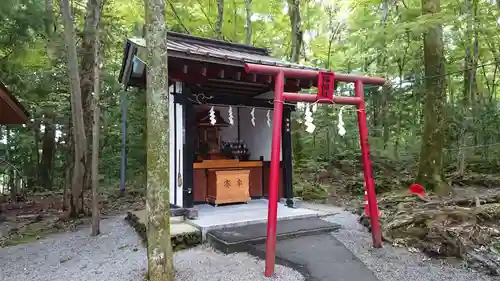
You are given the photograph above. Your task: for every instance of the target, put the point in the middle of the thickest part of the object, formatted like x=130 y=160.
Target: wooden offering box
x=228 y=186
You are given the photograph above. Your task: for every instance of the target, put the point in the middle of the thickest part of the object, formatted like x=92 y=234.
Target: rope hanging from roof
x=268 y=115
x=340 y=125
x=230 y=117
x=308 y=119
x=212 y=116
x=252 y=114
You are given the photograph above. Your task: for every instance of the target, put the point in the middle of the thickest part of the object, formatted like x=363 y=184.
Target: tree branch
x=177 y=16
x=206 y=16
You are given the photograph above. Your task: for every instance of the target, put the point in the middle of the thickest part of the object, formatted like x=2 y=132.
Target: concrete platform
x=254 y=212
x=237 y=239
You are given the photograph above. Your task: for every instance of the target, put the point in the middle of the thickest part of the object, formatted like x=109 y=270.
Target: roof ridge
x=217 y=43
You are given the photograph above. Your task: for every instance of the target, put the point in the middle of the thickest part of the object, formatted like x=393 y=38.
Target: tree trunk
x=160 y=256
x=79 y=137
x=9 y=168
x=380 y=112
x=48 y=151
x=235 y=21
x=50 y=28
x=430 y=173
x=220 y=19
x=35 y=157
x=248 y=22
x=87 y=77
x=68 y=175
x=12 y=185
x=470 y=93
x=295 y=22
x=45 y=166
x=68 y=170
x=96 y=130
x=398 y=107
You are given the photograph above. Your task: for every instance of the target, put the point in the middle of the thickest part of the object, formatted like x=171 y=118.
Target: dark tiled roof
x=19 y=114
x=203 y=49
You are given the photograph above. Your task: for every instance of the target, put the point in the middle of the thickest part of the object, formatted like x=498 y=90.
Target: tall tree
x=48 y=150
x=79 y=137
x=430 y=171
x=50 y=28
x=297 y=33
x=160 y=258
x=220 y=19
x=45 y=167
x=469 y=99
x=96 y=128
x=87 y=75
x=248 y=22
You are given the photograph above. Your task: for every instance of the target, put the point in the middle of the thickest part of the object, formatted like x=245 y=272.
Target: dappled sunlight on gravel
x=117 y=255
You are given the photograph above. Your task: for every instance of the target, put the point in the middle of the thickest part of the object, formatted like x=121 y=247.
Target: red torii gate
x=325 y=95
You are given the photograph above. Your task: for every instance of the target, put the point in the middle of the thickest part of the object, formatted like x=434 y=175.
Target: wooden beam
x=239 y=83
x=188 y=77
x=231 y=100
x=253 y=77
x=218 y=71
x=231 y=89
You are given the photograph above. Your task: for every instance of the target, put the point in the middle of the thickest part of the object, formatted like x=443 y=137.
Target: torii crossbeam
x=325 y=95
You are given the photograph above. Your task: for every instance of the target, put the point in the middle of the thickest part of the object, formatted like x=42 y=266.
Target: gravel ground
x=117 y=255
x=203 y=263
x=397 y=264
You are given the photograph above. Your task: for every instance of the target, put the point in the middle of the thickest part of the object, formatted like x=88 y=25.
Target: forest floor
x=458 y=234
x=393 y=263
x=36 y=216
x=117 y=254
x=462 y=227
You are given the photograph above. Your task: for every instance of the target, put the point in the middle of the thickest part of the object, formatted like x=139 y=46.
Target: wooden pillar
x=286 y=143
x=190 y=131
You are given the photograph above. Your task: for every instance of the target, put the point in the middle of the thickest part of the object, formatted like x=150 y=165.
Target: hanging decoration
x=252 y=114
x=269 y=118
x=340 y=125
x=230 y=118
x=211 y=114
x=314 y=107
x=308 y=120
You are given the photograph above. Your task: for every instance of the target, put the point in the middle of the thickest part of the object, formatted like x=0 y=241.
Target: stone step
x=238 y=239
x=177 y=219
x=183 y=235
x=142 y=216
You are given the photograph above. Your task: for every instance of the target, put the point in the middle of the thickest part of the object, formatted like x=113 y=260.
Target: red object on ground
x=279 y=97
x=417 y=189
